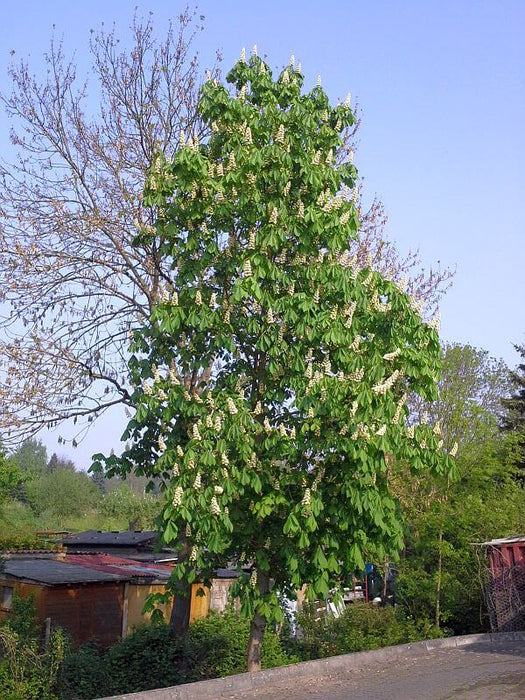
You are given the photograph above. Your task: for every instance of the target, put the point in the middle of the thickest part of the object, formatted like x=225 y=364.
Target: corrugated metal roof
x=53 y=572
x=514 y=539
x=112 y=564
x=125 y=538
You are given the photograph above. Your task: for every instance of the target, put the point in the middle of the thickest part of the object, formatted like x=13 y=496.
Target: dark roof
x=55 y=572
x=126 y=538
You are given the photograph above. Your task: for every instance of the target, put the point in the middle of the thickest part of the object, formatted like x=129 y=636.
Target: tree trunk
x=257 y=627
x=180 y=613
x=439 y=576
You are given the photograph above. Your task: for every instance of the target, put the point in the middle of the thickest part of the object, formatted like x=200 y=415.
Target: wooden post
x=125 y=606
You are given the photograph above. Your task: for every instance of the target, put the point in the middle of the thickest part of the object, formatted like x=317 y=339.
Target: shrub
x=362 y=626
x=148 y=658
x=82 y=675
x=216 y=646
x=26 y=673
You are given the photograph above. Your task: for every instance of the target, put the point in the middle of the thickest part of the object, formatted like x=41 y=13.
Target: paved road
x=469 y=673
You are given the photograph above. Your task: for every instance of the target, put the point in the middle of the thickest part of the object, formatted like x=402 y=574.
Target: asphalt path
x=468 y=673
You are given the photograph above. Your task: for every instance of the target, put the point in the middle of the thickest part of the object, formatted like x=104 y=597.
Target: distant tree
x=63 y=493
x=30 y=457
x=56 y=462
x=11 y=478
x=513 y=419
x=439 y=571
x=139 y=511
x=271 y=377
x=100 y=481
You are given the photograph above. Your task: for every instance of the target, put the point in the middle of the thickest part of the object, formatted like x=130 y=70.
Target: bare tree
x=74 y=276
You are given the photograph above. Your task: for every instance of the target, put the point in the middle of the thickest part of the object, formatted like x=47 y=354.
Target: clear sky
x=441 y=87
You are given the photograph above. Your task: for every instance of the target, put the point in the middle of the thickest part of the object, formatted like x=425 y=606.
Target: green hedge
x=150 y=658
x=361 y=627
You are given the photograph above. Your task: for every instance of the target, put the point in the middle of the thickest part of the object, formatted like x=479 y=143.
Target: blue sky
x=441 y=86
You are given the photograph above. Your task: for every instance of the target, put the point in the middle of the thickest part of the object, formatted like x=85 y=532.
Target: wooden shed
x=505 y=589
x=85 y=602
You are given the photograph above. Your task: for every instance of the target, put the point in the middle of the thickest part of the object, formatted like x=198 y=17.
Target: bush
x=26 y=672
x=82 y=675
x=216 y=646
x=362 y=626
x=149 y=658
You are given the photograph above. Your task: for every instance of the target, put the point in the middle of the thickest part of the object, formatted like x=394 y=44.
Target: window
x=6 y=600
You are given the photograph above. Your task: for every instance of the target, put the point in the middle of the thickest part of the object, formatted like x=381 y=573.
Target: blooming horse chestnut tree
x=279 y=460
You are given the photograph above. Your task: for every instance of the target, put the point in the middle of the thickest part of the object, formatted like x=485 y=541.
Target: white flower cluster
x=146 y=388
x=300 y=209
x=435 y=323
x=381 y=431
x=161 y=444
x=215 y=509
x=232 y=408
x=453 y=452
x=348 y=312
x=224 y=459
x=410 y=431
x=177 y=496
x=175 y=471
x=270 y=318
x=437 y=428
x=247 y=268
x=274 y=215
x=251 y=239
x=383 y=387
x=378 y=305
x=307 y=498
x=353 y=408
x=193 y=554
x=195 y=432
x=279 y=136
x=253 y=578
x=399 y=408
x=197 y=484
x=317 y=158
x=180 y=451
x=344 y=218
x=356 y=376
x=361 y=431
x=317 y=295
x=392 y=355
x=286 y=189
x=198 y=298
x=355 y=344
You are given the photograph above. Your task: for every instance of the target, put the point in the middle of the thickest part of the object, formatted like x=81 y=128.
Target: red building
x=506 y=584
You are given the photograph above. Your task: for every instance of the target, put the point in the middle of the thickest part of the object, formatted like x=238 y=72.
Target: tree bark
x=257 y=628
x=439 y=577
x=180 y=613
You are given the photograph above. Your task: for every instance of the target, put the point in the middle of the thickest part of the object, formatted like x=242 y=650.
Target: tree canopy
x=73 y=277
x=271 y=377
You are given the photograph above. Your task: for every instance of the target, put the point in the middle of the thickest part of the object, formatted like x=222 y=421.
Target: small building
x=85 y=602
x=98 y=596
x=505 y=589
x=138 y=544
